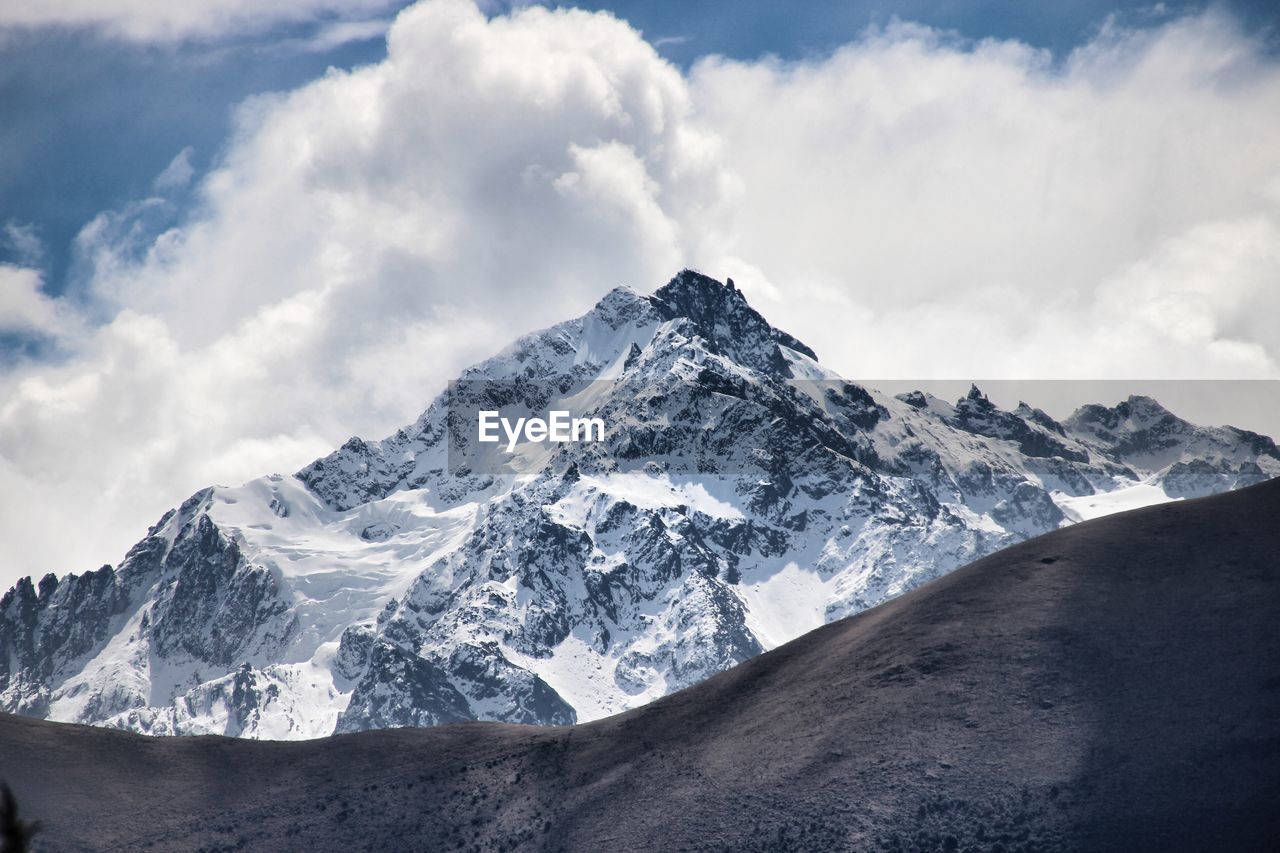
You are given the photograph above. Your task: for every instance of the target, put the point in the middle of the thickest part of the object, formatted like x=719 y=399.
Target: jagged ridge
x=743 y=495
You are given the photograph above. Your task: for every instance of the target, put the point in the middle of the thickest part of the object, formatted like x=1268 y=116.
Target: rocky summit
x=743 y=495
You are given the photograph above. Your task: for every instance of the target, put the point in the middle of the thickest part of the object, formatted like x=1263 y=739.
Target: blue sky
x=92 y=119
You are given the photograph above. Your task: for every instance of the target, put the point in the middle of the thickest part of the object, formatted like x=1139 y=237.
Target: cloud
x=177 y=174
x=910 y=205
x=27 y=312
x=337 y=34
x=22 y=241
x=983 y=209
x=166 y=21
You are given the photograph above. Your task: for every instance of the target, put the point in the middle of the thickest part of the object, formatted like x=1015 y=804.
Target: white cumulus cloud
x=984 y=209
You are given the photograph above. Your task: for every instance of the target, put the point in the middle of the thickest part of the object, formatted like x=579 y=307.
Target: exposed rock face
x=742 y=496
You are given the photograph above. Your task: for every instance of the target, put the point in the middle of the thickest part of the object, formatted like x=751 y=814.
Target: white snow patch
x=785 y=604
x=1085 y=507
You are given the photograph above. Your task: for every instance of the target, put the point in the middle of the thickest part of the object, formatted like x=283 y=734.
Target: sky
x=234 y=233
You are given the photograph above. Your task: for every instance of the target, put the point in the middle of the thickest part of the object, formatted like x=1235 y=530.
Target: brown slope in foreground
x=1114 y=685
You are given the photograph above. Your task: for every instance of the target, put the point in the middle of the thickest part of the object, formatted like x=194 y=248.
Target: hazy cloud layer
x=908 y=206
x=176 y=20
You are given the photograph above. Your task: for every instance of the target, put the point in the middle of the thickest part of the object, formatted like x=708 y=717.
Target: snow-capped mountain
x=743 y=495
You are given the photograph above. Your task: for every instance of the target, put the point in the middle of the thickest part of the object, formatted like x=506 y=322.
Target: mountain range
x=1110 y=686
x=743 y=496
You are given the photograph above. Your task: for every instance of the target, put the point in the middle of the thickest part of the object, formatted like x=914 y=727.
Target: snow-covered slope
x=743 y=496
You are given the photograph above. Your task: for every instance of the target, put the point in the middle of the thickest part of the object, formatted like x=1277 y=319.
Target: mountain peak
x=975 y=402
x=721 y=314
x=622 y=305
x=1136 y=410
x=690 y=291
x=396 y=582
x=1142 y=404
